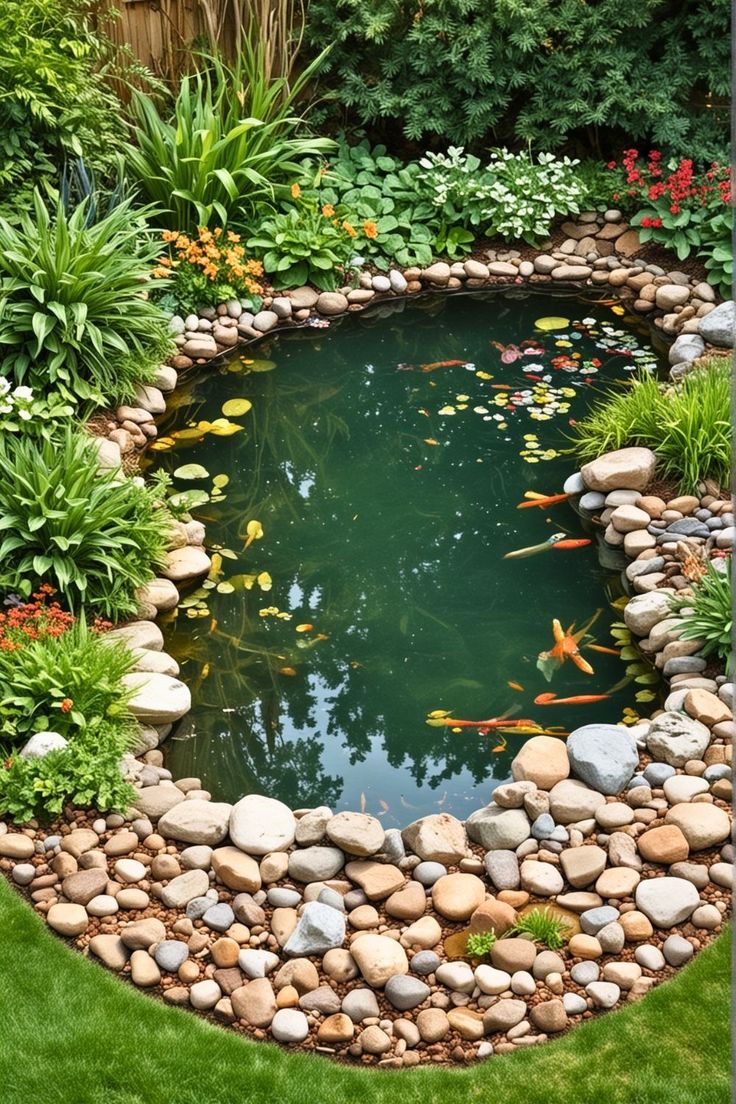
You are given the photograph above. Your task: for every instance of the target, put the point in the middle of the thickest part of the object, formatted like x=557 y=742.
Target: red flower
x=675 y=209
x=66 y=705
x=611 y=165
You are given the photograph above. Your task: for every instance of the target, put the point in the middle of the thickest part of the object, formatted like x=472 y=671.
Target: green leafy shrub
x=96 y=540
x=479 y=944
x=688 y=424
x=54 y=99
x=526 y=196
x=74 y=318
x=24 y=411
x=86 y=772
x=545 y=71
x=712 y=618
x=232 y=144
x=58 y=676
x=304 y=245
x=544 y=927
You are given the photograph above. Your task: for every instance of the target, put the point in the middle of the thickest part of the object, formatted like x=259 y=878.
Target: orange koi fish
x=545 y=500
x=577 y=699
x=515 y=686
x=430 y=367
x=581 y=543
x=605 y=651
x=440 y=719
x=566 y=646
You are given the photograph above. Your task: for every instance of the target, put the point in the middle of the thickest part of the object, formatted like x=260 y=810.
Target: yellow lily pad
x=552 y=322
x=233 y=408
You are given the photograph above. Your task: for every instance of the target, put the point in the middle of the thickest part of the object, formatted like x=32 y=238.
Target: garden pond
x=361 y=487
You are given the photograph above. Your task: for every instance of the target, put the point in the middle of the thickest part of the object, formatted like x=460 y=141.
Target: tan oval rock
x=69 y=920
x=542 y=760
x=457 y=896
x=665 y=844
x=378 y=958
x=702 y=825
x=235 y=869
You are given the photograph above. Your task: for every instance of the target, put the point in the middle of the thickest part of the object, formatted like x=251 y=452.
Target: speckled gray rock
x=315 y=864
x=718 y=327
x=424 y=962
x=675 y=738
x=677 y=950
x=495 y=828
x=320 y=928
x=170 y=954
x=592 y=920
x=502 y=868
x=219 y=917
x=603 y=756
x=666 y=901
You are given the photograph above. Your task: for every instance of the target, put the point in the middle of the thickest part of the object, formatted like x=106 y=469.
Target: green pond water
x=387 y=496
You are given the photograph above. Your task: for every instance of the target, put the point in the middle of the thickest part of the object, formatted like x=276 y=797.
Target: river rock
x=675 y=738
x=260 y=825
x=631 y=468
x=196 y=821
x=405 y=993
x=378 y=958
x=718 y=327
x=502 y=868
x=67 y=919
x=236 y=870
x=255 y=1002
x=289 y=1026
x=184 y=888
x=185 y=564
x=571 y=801
x=603 y=755
x=156 y=699
x=155 y=801
x=703 y=825
x=667 y=901
x=356 y=833
x=457 y=896
x=315 y=864
x=496 y=828
x=331 y=303
x=644 y=611
x=436 y=838
x=542 y=760
x=583 y=865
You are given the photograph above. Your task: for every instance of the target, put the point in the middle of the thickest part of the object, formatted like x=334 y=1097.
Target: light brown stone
x=457 y=896
x=665 y=844
x=543 y=760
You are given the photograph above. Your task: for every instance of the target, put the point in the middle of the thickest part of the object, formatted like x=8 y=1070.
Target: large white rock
x=437 y=838
x=667 y=901
x=378 y=958
x=629 y=468
x=675 y=738
x=156 y=698
x=259 y=825
x=644 y=611
x=41 y=743
x=196 y=821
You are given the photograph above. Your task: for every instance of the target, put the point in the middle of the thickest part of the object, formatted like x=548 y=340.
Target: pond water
x=384 y=459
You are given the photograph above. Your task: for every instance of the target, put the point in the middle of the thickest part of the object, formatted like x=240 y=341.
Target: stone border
x=622 y=828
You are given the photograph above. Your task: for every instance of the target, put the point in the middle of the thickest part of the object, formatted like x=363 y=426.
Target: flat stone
x=303 y=297
x=143 y=970
x=571 y=801
x=602 y=755
x=259 y=825
x=436 y=838
x=141 y=934
x=667 y=901
x=181 y=890
x=377 y=880
x=67 y=919
x=315 y=864
x=502 y=868
x=236 y=870
x=504 y=1014
x=156 y=699
x=540 y=878
x=356 y=833
x=110 y=950
x=255 y=1002
x=195 y=821
x=571 y=272
x=185 y=564
x=665 y=844
x=82 y=886
x=617 y=882
x=378 y=958
x=583 y=865
x=706 y=707
x=542 y=760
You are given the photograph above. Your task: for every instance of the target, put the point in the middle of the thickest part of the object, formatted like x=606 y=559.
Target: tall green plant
x=711 y=616
x=94 y=538
x=74 y=317
x=233 y=142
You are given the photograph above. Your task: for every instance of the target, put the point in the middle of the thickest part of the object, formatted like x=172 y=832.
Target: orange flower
x=349 y=230
x=295 y=191
x=66 y=705
x=328 y=210
x=232 y=237
x=169 y=235
x=370 y=229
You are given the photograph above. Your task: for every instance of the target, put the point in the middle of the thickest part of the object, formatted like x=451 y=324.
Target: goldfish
x=515 y=686
x=439 y=719
x=566 y=646
x=605 y=651
x=430 y=367
x=566 y=544
x=576 y=699
x=544 y=500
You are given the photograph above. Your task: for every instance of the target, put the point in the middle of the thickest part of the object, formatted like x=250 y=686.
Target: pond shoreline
x=213 y=918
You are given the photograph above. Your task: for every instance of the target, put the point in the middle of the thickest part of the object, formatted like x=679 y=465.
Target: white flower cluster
x=516 y=195
x=15 y=401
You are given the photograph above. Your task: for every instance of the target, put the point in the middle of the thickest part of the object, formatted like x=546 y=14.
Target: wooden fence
x=160 y=32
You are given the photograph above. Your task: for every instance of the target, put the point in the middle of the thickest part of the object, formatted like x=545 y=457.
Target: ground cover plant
x=688 y=424
x=92 y=537
x=543 y=927
x=74 y=319
x=210 y=267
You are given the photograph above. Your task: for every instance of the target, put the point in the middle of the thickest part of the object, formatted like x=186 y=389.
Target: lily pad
x=233 y=408
x=191 y=471
x=189 y=500
x=552 y=322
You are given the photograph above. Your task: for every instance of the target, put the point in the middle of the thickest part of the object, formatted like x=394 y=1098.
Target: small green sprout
x=479 y=944
x=543 y=927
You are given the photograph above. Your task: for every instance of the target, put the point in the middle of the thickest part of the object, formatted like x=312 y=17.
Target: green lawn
x=73 y=1034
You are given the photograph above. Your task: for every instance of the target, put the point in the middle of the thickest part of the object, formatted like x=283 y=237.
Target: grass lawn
x=73 y=1034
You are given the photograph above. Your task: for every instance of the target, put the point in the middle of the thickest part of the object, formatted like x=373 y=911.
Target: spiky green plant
x=74 y=318
x=62 y=521
x=479 y=944
x=711 y=619
x=543 y=926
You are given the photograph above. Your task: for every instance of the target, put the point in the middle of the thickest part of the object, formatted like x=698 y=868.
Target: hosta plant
x=710 y=612
x=74 y=316
x=305 y=244
x=94 y=538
